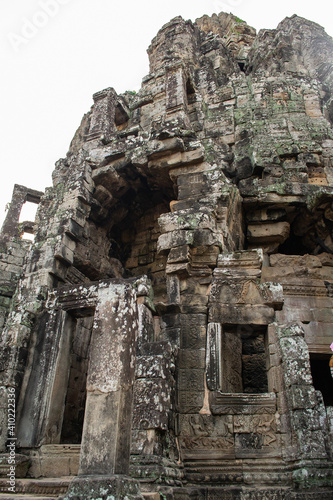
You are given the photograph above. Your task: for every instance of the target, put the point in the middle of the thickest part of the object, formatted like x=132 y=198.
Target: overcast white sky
x=56 y=53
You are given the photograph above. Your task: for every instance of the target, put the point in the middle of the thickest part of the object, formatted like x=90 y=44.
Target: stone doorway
x=321 y=375
x=75 y=401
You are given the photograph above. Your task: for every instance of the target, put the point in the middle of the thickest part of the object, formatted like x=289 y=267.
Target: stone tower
x=167 y=333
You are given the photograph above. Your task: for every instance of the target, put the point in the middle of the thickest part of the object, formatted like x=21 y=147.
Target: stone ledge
x=103 y=488
x=41 y=487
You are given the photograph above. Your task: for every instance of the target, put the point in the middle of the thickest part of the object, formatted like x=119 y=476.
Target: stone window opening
x=190 y=92
x=21 y=212
x=27 y=217
x=241 y=65
x=28 y=211
x=248 y=372
x=121 y=117
x=238 y=361
x=27 y=236
x=321 y=375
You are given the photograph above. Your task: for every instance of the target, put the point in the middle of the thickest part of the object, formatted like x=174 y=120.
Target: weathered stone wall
x=13 y=246
x=215 y=182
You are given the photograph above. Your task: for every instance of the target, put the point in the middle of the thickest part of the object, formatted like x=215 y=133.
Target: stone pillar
x=105 y=448
x=175 y=88
x=103 y=115
x=305 y=408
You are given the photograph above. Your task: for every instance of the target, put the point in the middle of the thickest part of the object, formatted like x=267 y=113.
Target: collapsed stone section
x=181 y=272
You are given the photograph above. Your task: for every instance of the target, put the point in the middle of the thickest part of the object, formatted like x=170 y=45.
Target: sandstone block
x=301 y=397
x=151 y=404
x=247 y=314
x=267 y=233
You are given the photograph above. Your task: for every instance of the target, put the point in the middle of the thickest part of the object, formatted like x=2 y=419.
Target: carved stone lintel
x=238 y=404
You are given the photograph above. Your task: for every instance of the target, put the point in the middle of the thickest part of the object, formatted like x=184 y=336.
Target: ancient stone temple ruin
x=167 y=333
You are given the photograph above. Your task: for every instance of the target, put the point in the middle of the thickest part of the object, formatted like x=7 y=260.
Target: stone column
x=105 y=448
x=305 y=409
x=103 y=115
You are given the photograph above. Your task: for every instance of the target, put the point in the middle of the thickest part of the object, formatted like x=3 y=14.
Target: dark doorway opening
x=76 y=390
x=244 y=359
x=321 y=375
